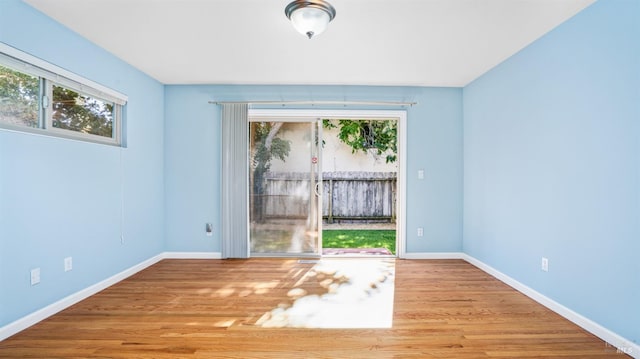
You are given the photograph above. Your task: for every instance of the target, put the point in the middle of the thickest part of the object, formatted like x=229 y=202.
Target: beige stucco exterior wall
x=336 y=156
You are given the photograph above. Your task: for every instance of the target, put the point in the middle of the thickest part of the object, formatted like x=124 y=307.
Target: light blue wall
x=62 y=198
x=192 y=158
x=552 y=165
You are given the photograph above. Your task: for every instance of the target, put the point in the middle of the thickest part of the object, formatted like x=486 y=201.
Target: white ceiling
x=370 y=42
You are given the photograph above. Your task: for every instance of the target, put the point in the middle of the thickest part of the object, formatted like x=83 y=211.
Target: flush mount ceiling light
x=310 y=17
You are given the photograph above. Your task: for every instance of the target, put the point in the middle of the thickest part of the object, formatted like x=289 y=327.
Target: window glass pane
x=77 y=112
x=19 y=94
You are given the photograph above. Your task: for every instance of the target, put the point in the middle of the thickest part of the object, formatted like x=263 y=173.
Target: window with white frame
x=38 y=97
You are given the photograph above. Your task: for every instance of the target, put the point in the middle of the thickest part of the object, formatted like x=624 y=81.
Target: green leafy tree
x=379 y=136
x=73 y=111
x=267 y=146
x=20 y=98
x=19 y=94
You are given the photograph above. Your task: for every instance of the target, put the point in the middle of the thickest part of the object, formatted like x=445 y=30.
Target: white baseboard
x=433 y=255
x=41 y=314
x=621 y=344
x=192 y=255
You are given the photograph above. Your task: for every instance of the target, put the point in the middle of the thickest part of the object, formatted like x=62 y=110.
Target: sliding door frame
x=399 y=115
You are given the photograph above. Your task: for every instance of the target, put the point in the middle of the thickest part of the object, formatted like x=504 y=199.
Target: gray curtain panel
x=235 y=138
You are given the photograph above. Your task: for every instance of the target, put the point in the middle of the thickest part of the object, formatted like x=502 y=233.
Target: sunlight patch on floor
x=356 y=293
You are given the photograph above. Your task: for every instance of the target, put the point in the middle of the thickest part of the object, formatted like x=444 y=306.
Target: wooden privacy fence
x=347 y=196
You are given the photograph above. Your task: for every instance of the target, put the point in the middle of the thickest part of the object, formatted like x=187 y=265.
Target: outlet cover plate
x=544 y=265
x=68 y=264
x=35 y=276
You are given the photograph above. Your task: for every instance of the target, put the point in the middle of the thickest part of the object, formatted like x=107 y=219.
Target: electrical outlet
x=68 y=264
x=420 y=231
x=35 y=276
x=208 y=228
x=420 y=174
x=544 y=265
x=121 y=239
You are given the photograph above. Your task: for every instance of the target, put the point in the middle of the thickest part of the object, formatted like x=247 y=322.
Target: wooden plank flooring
x=208 y=308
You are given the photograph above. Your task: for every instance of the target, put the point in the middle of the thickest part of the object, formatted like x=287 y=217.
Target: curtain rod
x=318 y=103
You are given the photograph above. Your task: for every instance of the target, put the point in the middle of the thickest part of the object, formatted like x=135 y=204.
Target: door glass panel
x=283 y=198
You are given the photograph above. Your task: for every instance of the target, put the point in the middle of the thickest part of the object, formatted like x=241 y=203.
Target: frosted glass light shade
x=310 y=18
x=310 y=21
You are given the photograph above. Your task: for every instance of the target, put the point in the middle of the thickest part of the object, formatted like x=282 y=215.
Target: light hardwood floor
x=208 y=308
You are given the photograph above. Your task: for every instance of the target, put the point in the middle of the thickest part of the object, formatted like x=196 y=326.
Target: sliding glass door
x=284 y=187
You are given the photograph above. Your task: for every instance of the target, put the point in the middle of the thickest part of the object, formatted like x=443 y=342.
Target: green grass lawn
x=359 y=238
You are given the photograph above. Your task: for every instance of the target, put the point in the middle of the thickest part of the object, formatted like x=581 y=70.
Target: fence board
x=347 y=196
